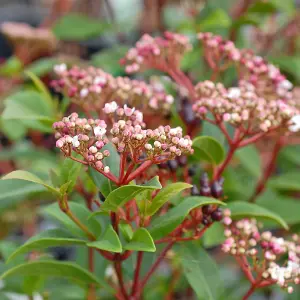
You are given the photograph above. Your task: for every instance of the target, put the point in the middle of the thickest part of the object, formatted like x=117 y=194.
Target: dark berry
x=101 y=197
x=187 y=111
x=173 y=165
x=205 y=191
x=163 y=165
x=204 y=180
x=216 y=190
x=182 y=160
x=217 y=215
x=207 y=209
x=195 y=191
x=205 y=221
x=191 y=171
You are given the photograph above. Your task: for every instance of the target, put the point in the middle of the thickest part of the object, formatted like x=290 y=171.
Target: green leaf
x=288 y=64
x=30 y=106
x=118 y=197
x=217 y=18
x=16 y=191
x=201 y=271
x=24 y=175
x=209 y=149
x=126 y=230
x=141 y=241
x=262 y=7
x=164 y=195
x=44 y=240
x=285 y=182
x=77 y=27
x=165 y=224
x=80 y=212
x=250 y=160
x=109 y=241
x=41 y=66
x=12 y=66
x=108 y=59
x=41 y=88
x=53 y=269
x=103 y=183
x=69 y=173
x=245 y=210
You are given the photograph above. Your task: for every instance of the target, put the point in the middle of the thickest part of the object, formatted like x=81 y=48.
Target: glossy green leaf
x=163 y=225
x=262 y=7
x=46 y=239
x=29 y=105
x=118 y=197
x=209 y=149
x=80 y=212
x=78 y=27
x=141 y=241
x=109 y=241
x=164 y=195
x=285 y=182
x=108 y=59
x=201 y=271
x=126 y=230
x=69 y=173
x=41 y=66
x=24 y=175
x=11 y=67
x=250 y=160
x=53 y=269
x=249 y=210
x=103 y=183
x=217 y=18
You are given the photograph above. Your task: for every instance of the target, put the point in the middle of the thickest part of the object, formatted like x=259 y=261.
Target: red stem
x=250 y=292
x=153 y=268
x=138 y=171
x=118 y=269
x=137 y=273
x=269 y=169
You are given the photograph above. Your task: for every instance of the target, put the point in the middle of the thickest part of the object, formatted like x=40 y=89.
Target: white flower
x=100 y=80
x=170 y=99
x=106 y=169
x=84 y=93
x=99 y=131
x=285 y=84
x=277 y=273
x=110 y=107
x=234 y=93
x=75 y=141
x=60 y=68
x=296 y=124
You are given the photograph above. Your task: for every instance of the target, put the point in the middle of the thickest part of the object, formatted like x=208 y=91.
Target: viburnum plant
x=137 y=174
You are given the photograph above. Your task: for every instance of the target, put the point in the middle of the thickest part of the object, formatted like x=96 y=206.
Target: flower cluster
x=241 y=105
x=39 y=40
x=156 y=51
x=267 y=79
x=266 y=251
x=94 y=87
x=87 y=137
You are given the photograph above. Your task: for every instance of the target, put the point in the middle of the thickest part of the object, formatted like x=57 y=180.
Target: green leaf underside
x=27 y=176
x=118 y=197
x=141 y=241
x=201 y=271
x=244 y=209
x=81 y=212
x=46 y=239
x=164 y=195
x=109 y=242
x=53 y=269
x=209 y=149
x=165 y=224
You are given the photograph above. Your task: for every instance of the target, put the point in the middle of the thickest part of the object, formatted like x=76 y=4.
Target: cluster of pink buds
x=94 y=87
x=87 y=137
x=267 y=79
x=218 y=48
x=275 y=260
x=158 y=51
x=242 y=106
x=84 y=137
